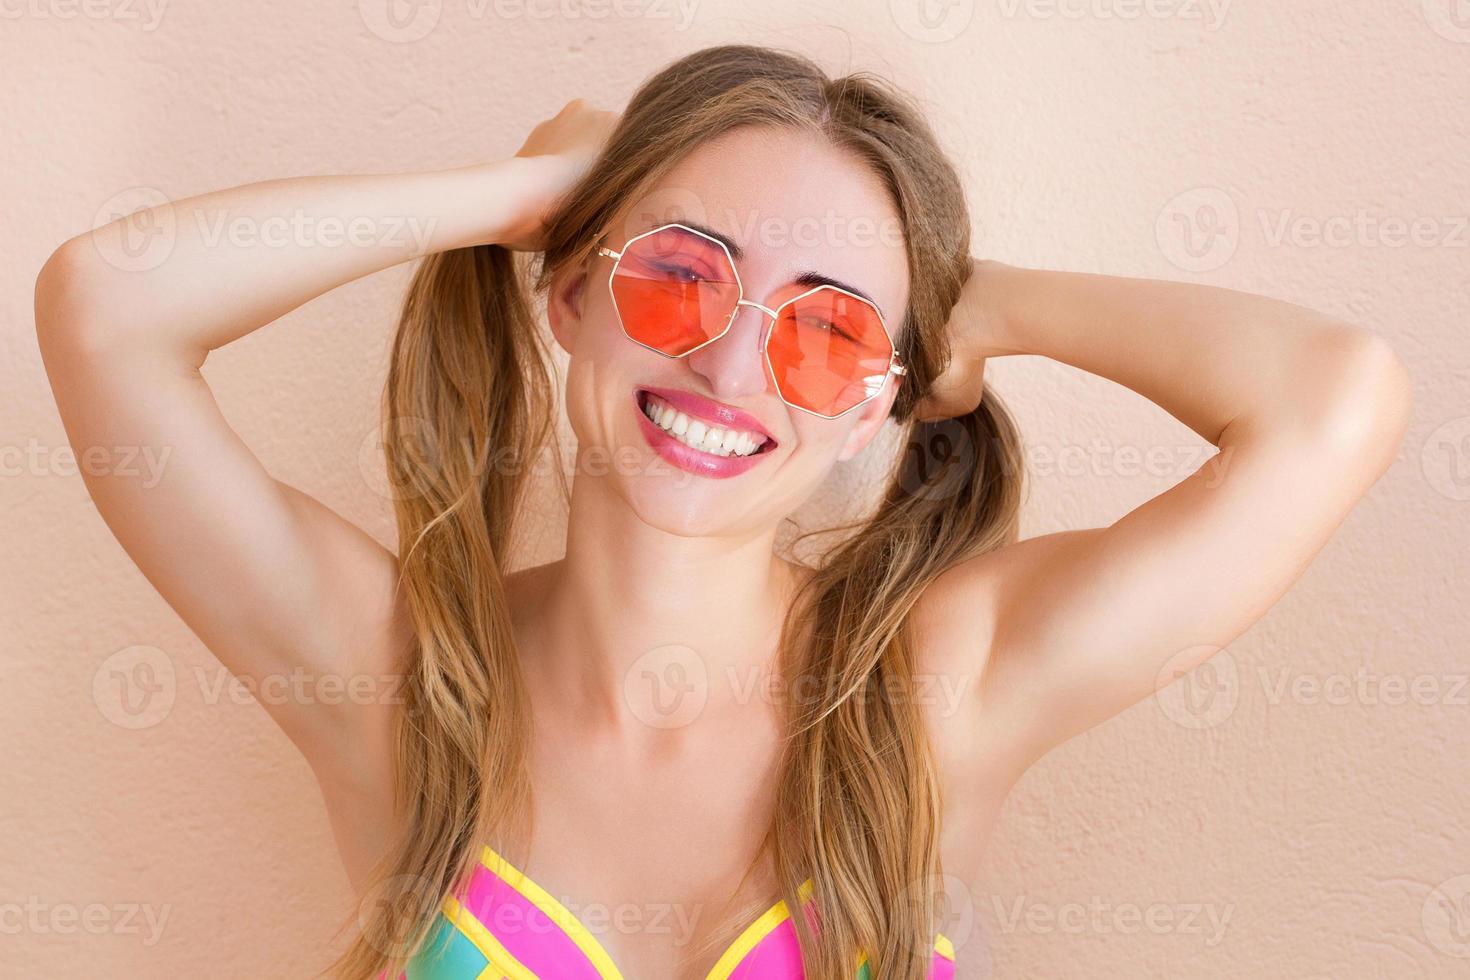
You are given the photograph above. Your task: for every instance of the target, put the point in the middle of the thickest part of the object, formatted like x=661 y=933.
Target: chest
x=508 y=926
x=648 y=850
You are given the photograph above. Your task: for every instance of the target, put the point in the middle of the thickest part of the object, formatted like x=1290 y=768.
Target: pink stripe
x=524 y=930
x=943 y=967
x=777 y=955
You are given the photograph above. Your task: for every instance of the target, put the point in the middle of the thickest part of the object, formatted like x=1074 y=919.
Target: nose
x=734 y=366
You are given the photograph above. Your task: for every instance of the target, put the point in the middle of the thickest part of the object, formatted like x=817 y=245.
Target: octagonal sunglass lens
x=675 y=290
x=829 y=352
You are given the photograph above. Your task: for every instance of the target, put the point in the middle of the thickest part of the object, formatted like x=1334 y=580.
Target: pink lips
x=699 y=407
x=693 y=460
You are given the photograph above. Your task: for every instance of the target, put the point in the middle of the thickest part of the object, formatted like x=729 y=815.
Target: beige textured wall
x=1301 y=811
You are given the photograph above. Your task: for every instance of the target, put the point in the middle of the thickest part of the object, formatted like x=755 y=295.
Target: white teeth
x=698 y=434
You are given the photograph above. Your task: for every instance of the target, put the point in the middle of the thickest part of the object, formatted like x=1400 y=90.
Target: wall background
x=1330 y=831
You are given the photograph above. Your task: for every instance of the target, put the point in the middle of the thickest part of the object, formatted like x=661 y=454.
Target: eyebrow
x=810 y=278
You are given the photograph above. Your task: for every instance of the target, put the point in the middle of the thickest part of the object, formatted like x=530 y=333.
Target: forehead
x=792 y=204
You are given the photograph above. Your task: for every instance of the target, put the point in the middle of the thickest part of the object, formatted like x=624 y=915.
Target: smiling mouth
x=700 y=435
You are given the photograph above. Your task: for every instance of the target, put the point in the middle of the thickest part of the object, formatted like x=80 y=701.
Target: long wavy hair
x=470 y=389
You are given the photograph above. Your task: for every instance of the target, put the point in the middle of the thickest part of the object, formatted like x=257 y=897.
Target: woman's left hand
x=960 y=386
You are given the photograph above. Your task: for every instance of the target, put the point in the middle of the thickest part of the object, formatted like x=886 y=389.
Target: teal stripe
x=448 y=955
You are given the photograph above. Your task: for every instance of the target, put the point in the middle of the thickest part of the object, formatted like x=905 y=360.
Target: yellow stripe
x=754 y=933
x=942 y=946
x=594 y=951
x=555 y=911
x=501 y=959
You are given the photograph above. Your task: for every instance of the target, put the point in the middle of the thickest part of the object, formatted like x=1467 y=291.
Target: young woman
x=686 y=724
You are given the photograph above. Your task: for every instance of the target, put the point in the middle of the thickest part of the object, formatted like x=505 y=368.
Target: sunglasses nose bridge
x=766 y=326
x=746 y=302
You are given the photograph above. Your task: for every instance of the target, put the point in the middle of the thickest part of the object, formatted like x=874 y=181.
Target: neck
x=635 y=615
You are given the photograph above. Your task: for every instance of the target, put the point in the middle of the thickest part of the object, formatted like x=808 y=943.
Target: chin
x=681 y=503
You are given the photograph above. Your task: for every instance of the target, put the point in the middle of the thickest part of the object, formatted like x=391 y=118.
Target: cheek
x=802 y=476
x=600 y=375
x=818 y=441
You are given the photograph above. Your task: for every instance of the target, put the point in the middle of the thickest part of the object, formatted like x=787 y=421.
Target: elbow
x=1369 y=410
x=64 y=308
x=57 y=288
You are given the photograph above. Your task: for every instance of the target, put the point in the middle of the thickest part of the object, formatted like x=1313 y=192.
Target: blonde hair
x=857 y=804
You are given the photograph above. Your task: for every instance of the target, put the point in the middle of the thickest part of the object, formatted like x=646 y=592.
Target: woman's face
x=795 y=212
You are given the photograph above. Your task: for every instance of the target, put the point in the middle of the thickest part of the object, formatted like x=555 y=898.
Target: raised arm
x=273 y=582
x=1067 y=629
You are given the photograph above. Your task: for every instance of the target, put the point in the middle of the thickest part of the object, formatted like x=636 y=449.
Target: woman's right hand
x=560 y=150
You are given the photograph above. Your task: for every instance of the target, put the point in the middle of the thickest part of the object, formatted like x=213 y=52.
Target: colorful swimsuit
x=545 y=941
